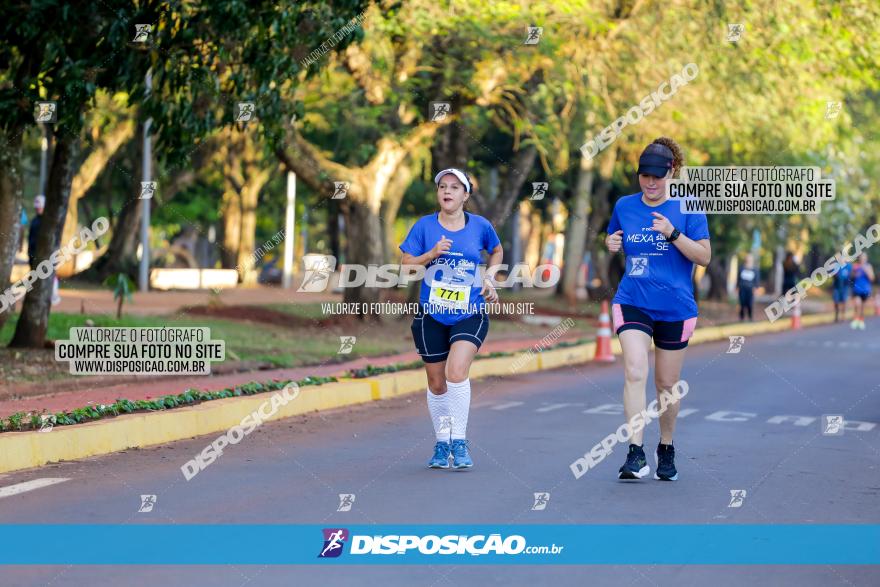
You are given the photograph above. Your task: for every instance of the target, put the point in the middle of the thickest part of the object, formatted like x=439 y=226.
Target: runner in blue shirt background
x=452 y=322
x=840 y=290
x=655 y=298
x=862 y=276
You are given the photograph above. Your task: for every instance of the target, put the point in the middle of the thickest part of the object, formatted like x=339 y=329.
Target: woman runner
x=452 y=321
x=862 y=276
x=655 y=298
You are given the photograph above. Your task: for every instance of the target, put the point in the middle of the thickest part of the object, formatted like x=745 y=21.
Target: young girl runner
x=862 y=276
x=452 y=322
x=655 y=299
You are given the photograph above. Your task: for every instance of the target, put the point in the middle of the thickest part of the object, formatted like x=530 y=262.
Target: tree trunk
x=498 y=209
x=450 y=149
x=10 y=208
x=86 y=176
x=389 y=208
x=230 y=228
x=250 y=195
x=120 y=254
x=532 y=232
x=600 y=212
x=363 y=248
x=576 y=231
x=30 y=332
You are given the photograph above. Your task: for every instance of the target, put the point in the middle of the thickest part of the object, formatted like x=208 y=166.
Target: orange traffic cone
x=796 y=317
x=603 y=337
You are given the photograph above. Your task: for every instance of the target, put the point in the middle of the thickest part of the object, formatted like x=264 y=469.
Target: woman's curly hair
x=677 y=153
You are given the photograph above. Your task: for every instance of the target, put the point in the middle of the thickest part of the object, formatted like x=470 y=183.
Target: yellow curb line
x=24 y=450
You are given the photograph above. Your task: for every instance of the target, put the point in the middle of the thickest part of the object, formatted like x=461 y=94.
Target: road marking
x=30 y=485
x=552 y=407
x=841 y=344
x=505 y=405
x=726 y=416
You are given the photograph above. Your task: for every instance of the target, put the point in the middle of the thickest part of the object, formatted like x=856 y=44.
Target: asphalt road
x=753 y=423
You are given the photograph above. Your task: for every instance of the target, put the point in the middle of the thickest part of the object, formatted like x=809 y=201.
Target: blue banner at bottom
x=148 y=544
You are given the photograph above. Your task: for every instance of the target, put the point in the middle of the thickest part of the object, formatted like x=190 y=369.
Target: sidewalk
x=152 y=387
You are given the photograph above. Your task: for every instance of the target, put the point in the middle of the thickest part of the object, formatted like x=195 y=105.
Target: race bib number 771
x=455 y=297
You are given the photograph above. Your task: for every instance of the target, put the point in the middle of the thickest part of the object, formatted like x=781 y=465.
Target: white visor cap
x=459 y=174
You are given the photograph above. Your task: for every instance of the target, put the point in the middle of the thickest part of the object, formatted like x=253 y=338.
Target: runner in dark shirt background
x=746 y=283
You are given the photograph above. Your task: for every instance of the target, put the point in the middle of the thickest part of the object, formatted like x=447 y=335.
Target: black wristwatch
x=675 y=234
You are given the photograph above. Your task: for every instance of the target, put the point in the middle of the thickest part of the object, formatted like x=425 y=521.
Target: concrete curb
x=24 y=450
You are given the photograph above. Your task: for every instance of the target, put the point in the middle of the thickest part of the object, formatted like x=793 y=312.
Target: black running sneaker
x=636 y=465
x=665 y=460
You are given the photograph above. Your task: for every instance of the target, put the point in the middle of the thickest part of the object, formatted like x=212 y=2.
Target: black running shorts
x=433 y=339
x=670 y=336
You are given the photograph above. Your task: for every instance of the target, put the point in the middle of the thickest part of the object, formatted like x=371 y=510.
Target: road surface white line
x=505 y=405
x=30 y=485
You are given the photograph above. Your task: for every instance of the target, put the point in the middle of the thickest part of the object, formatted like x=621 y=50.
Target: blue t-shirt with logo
x=658 y=275
x=451 y=291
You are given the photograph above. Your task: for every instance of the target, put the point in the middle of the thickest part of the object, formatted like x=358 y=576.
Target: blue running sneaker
x=461 y=458
x=665 y=459
x=636 y=465
x=440 y=460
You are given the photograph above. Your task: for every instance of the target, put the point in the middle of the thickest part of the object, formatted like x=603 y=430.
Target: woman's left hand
x=488 y=291
x=661 y=224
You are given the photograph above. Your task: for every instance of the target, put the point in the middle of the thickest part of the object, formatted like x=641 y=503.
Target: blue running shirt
x=451 y=293
x=861 y=283
x=658 y=276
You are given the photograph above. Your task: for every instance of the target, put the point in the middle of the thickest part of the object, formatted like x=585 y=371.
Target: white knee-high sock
x=438 y=406
x=459 y=406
